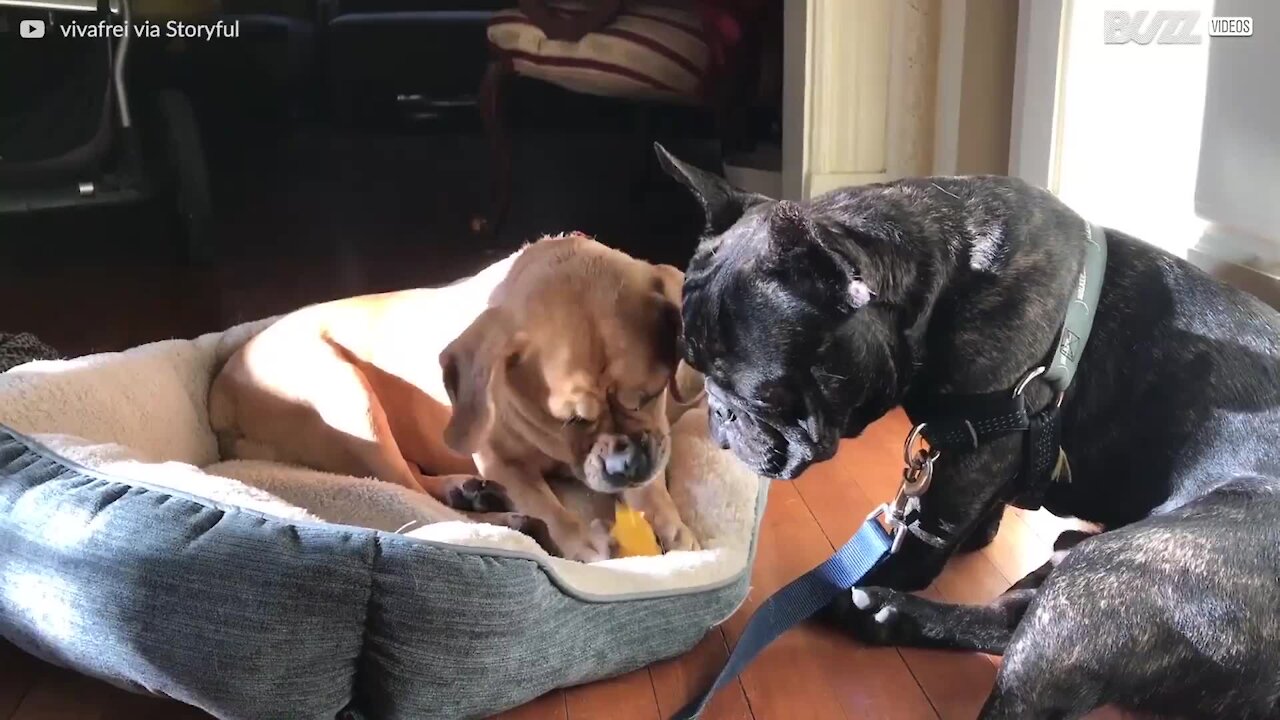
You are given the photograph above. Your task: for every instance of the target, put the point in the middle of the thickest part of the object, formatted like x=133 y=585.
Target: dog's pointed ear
x=485 y=350
x=722 y=203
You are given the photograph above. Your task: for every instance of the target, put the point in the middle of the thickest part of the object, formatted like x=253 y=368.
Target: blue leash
x=798 y=601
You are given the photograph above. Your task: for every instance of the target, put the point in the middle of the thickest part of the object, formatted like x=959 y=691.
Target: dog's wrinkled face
x=582 y=347
x=795 y=352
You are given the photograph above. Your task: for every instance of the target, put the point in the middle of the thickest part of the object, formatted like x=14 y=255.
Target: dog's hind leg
x=1168 y=617
x=324 y=415
x=1055 y=667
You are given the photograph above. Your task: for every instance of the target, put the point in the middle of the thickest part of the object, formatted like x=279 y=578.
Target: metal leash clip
x=916 y=475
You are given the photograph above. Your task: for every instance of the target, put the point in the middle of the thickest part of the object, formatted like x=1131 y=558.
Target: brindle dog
x=812 y=319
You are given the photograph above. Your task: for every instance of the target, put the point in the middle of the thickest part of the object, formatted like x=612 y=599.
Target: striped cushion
x=648 y=51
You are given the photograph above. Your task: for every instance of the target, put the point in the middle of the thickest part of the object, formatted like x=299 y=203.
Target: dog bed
x=129 y=552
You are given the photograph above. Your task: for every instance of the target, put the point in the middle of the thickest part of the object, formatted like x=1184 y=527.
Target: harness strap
x=961 y=423
x=1041 y=450
x=797 y=602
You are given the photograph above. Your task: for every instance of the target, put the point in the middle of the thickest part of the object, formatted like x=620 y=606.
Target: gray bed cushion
x=247 y=616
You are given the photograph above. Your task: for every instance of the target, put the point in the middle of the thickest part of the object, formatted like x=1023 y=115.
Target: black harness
x=963 y=423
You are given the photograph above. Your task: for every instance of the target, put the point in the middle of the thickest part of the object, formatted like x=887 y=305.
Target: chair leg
x=491 y=96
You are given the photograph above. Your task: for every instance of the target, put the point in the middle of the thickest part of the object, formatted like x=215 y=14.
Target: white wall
x=1129 y=126
x=1238 y=190
x=1035 y=90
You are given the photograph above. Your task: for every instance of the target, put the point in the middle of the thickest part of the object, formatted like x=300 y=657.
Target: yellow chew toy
x=633 y=533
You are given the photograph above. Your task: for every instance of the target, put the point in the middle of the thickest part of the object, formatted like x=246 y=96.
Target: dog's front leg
x=963 y=498
x=654 y=501
x=883 y=616
x=913 y=567
x=960 y=499
x=531 y=495
x=880 y=616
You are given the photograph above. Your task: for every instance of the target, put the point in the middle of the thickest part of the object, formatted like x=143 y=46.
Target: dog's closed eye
x=771 y=396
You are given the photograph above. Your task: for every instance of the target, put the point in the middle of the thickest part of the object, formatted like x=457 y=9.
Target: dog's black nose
x=626 y=461
x=719 y=430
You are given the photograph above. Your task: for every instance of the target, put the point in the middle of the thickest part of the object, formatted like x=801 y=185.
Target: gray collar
x=1080 y=312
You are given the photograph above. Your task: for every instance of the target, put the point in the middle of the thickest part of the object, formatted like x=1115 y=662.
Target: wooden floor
x=809 y=673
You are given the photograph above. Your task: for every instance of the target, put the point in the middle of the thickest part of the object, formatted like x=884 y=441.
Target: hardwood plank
x=20 y=673
x=971 y=578
x=811 y=671
x=626 y=697
x=121 y=705
x=1017 y=549
x=956 y=683
x=677 y=681
x=62 y=695
x=551 y=706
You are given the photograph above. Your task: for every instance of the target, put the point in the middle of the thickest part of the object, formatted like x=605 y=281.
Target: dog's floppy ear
x=722 y=203
x=670 y=287
x=486 y=348
x=670 y=283
x=667 y=287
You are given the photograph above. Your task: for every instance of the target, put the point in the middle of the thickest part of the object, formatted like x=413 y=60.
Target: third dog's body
x=932 y=287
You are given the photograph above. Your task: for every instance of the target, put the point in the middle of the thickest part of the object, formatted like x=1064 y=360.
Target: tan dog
x=555 y=360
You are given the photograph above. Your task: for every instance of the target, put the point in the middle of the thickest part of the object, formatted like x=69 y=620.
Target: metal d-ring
x=1032 y=375
x=915 y=481
x=912 y=459
x=1026 y=379
x=919 y=465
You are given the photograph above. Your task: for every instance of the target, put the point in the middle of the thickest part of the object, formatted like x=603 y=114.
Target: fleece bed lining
x=139 y=418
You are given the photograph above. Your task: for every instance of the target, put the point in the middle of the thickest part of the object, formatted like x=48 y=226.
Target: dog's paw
x=587 y=544
x=474 y=494
x=534 y=527
x=677 y=536
x=537 y=529
x=875 y=616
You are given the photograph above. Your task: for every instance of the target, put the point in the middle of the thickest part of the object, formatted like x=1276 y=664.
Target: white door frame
x=858 y=79
x=1037 y=87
